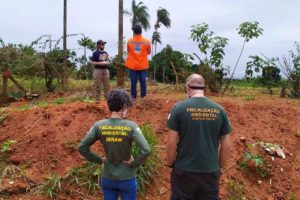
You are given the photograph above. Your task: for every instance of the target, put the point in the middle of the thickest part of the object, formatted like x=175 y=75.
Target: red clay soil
x=43 y=134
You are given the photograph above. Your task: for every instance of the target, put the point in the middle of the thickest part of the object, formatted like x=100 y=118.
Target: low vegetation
x=6 y=145
x=236 y=190
x=88 y=175
x=51 y=187
x=255 y=163
x=147 y=172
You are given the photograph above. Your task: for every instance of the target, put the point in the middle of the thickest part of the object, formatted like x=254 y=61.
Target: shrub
x=256 y=163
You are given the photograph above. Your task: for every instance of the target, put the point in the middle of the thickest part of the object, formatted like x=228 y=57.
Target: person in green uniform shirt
x=116 y=134
x=198 y=144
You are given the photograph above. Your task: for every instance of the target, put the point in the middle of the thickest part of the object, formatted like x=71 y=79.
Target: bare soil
x=44 y=135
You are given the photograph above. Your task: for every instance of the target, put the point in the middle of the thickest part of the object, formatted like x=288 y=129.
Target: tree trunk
x=230 y=78
x=64 y=81
x=120 y=67
x=85 y=64
x=152 y=51
x=4 y=85
x=175 y=73
x=163 y=75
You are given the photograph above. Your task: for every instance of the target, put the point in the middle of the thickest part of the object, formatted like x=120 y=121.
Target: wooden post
x=5 y=82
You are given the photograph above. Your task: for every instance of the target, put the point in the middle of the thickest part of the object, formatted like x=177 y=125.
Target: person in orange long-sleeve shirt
x=138 y=49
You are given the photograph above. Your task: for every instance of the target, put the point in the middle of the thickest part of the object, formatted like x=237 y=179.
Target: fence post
x=5 y=82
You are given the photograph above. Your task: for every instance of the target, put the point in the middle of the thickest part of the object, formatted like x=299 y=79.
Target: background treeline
x=43 y=60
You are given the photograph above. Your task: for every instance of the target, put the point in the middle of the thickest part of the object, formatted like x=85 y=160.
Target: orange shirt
x=138 y=49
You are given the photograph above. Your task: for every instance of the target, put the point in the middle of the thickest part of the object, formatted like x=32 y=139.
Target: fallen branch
x=230 y=166
x=3 y=117
x=37 y=121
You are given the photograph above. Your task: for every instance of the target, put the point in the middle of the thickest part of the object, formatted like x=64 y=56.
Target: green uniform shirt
x=200 y=122
x=116 y=136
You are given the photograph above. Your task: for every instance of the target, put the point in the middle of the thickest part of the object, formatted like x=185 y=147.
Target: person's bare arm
x=99 y=63
x=171 y=147
x=225 y=154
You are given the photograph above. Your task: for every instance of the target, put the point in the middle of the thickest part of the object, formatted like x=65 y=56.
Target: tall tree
x=85 y=42
x=120 y=68
x=156 y=38
x=139 y=15
x=2 y=42
x=212 y=52
x=65 y=44
x=247 y=30
x=163 y=18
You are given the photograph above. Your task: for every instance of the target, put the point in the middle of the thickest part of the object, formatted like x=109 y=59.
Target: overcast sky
x=22 y=21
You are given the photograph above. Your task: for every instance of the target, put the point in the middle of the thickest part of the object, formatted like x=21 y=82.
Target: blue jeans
x=112 y=188
x=142 y=78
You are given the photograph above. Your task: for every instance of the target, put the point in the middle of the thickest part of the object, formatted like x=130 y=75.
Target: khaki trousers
x=101 y=76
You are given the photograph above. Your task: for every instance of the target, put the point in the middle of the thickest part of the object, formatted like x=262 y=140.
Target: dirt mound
x=47 y=140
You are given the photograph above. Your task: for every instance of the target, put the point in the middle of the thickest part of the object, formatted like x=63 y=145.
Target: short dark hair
x=137 y=29
x=118 y=99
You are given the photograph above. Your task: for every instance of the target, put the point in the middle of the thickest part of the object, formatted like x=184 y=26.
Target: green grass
x=51 y=187
x=249 y=98
x=147 y=172
x=33 y=84
x=87 y=176
x=6 y=145
x=4 y=161
x=292 y=196
x=73 y=145
x=59 y=101
x=236 y=190
x=42 y=104
x=252 y=86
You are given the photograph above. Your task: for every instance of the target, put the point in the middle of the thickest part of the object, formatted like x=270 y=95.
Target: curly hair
x=118 y=99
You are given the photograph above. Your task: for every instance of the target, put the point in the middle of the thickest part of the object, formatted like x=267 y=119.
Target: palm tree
x=85 y=42
x=156 y=38
x=120 y=68
x=163 y=17
x=64 y=79
x=140 y=15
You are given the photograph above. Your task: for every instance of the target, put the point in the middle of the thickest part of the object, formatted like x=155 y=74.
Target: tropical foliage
x=212 y=52
x=290 y=67
x=163 y=18
x=246 y=30
x=171 y=66
x=139 y=15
